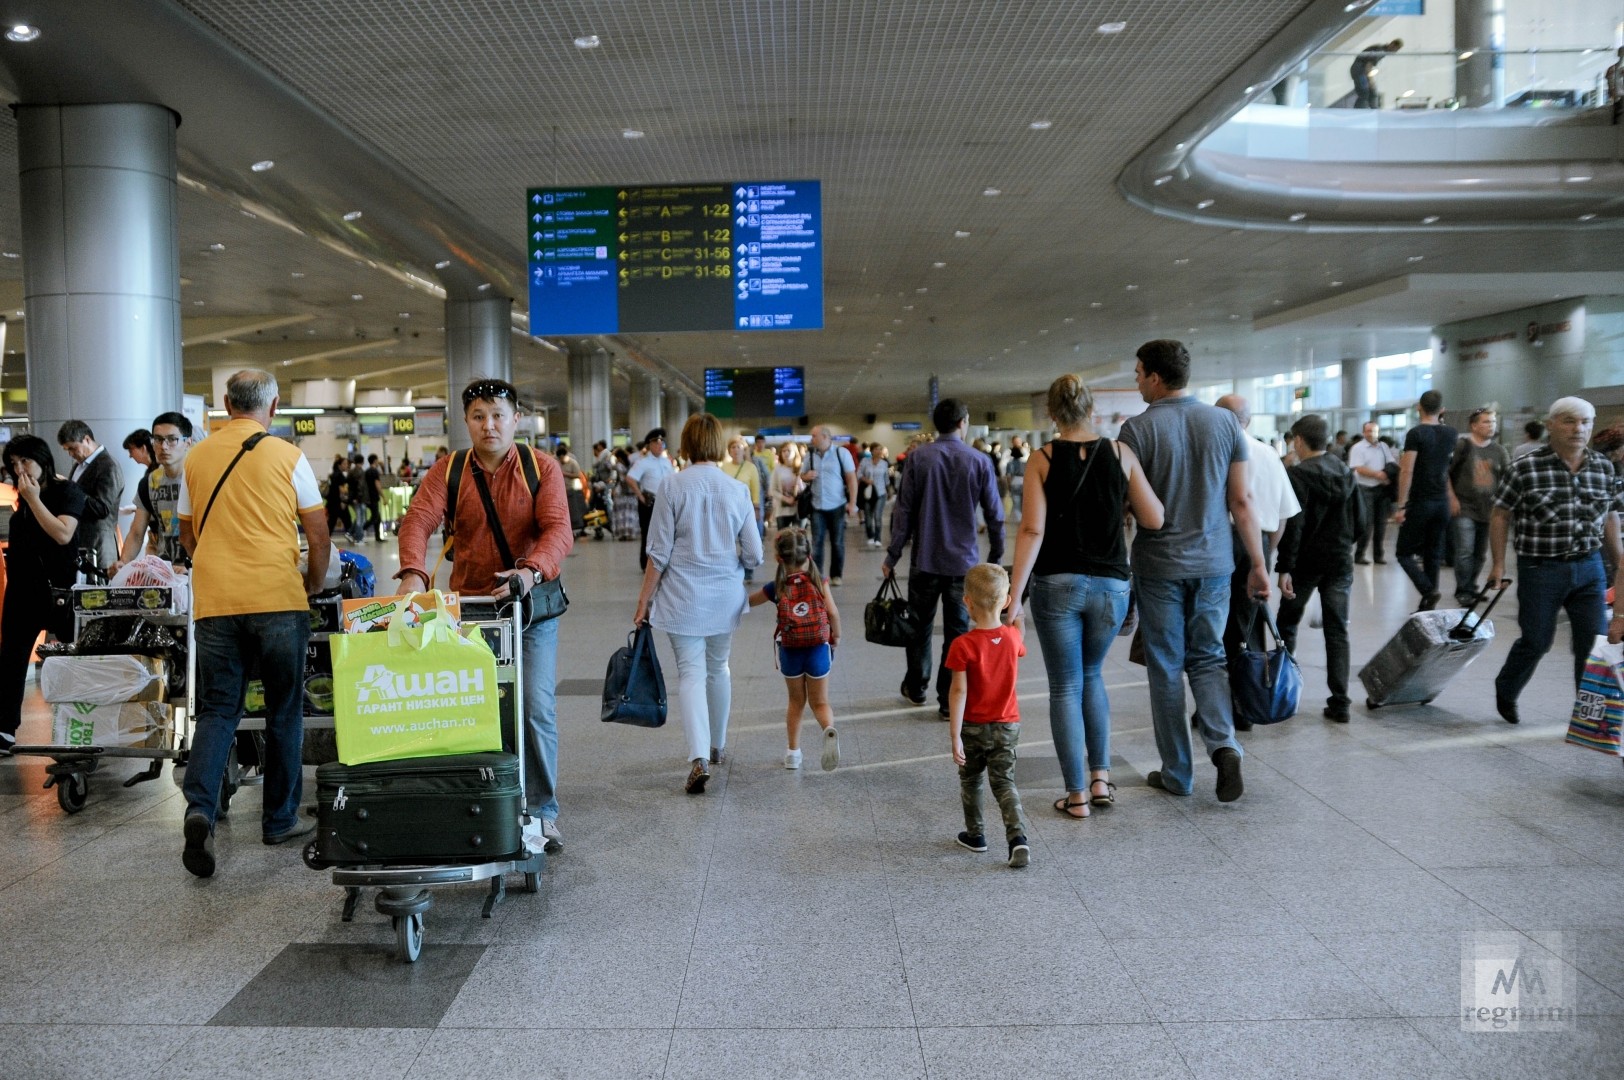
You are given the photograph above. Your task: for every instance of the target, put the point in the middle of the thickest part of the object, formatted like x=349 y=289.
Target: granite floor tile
x=586 y=985
x=1325 y=845
x=1543 y=898
x=75 y=1051
x=1593 y=1049
x=994 y=977
x=296 y=1053
x=1402 y=898
x=1323 y=1049
x=850 y=985
x=807 y=1053
x=1121 y=1051
x=1159 y=904
x=542 y=1054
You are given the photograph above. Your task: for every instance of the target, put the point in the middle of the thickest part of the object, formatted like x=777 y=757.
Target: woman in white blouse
x=701 y=540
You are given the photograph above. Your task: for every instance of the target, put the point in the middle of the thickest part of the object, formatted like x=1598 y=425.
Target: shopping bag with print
x=1598 y=711
x=414 y=691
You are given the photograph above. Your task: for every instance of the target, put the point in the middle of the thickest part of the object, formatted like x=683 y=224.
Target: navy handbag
x=633 y=688
x=1265 y=686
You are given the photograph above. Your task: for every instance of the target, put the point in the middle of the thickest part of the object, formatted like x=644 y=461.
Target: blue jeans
x=830 y=523
x=874 y=522
x=1544 y=587
x=924 y=590
x=358 y=522
x=1471 y=544
x=539 y=651
x=1421 y=542
x=704 y=690
x=1076 y=617
x=225 y=644
x=1181 y=625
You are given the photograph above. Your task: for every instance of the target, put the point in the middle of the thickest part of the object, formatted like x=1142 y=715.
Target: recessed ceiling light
x=10 y=255
x=990 y=192
x=1204 y=203
x=1112 y=27
x=217 y=247
x=197 y=303
x=588 y=41
x=1234 y=316
x=1587 y=217
x=353 y=215
x=485 y=287
x=1160 y=180
x=1181 y=262
x=1467 y=55
x=907 y=307
x=631 y=133
x=960 y=234
x=1335 y=284
x=1250 y=89
x=1578 y=179
x=263 y=166
x=1096 y=304
x=939 y=265
x=896 y=322
x=1277 y=303
x=442 y=264
x=922 y=288
x=298 y=273
x=1130 y=288
x=1429 y=219
x=1298 y=216
x=356 y=296
x=1041 y=125
x=22 y=32
x=1068 y=319
x=1415 y=258
x=404 y=314
x=1407 y=93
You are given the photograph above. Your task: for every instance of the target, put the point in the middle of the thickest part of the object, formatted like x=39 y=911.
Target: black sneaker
x=1338 y=713
x=1019 y=853
x=1154 y=779
x=974 y=841
x=912 y=697
x=1229 y=774
x=198 y=854
x=1429 y=602
x=7 y=744
x=304 y=828
x=1507 y=708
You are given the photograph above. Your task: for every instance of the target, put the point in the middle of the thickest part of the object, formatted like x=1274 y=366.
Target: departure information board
x=751 y=392
x=741 y=255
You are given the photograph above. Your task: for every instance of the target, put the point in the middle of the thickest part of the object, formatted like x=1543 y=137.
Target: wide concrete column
x=589 y=397
x=478 y=344
x=645 y=404
x=1480 y=29
x=676 y=412
x=101 y=270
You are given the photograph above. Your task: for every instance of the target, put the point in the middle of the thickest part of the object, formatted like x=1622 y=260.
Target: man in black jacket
x=1316 y=552
x=102 y=479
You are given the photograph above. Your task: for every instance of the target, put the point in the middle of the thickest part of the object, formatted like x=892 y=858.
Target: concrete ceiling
x=906 y=111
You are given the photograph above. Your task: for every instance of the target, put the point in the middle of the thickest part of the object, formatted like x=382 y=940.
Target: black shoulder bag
x=546 y=599
x=247 y=445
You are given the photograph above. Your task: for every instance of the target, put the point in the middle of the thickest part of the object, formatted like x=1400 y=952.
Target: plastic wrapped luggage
x=463 y=808
x=1431 y=648
x=623 y=513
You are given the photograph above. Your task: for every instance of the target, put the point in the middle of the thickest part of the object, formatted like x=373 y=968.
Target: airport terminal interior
x=796 y=214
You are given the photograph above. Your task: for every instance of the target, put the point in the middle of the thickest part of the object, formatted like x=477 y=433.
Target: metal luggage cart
x=403 y=891
x=71 y=765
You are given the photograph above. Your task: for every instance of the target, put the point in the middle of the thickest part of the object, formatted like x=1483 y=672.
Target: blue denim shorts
x=813 y=661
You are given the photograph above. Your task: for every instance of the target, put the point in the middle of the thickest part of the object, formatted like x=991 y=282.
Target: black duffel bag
x=888 y=620
x=633 y=687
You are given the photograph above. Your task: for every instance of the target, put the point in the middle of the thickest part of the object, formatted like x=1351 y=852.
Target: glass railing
x=1487 y=79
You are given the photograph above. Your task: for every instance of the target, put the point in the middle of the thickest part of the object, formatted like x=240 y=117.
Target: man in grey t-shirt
x=1195 y=457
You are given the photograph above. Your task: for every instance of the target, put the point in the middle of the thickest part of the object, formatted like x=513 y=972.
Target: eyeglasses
x=1472 y=418
x=168 y=440
x=490 y=390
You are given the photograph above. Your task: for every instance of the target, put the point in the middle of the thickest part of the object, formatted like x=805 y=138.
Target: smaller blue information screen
x=736 y=255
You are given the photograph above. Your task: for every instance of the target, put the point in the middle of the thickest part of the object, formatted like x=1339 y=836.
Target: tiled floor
x=808 y=924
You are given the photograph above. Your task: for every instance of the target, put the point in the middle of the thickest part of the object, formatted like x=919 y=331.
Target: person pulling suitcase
x=1558 y=505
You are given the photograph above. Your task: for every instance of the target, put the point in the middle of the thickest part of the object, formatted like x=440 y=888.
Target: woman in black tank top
x=1072 y=549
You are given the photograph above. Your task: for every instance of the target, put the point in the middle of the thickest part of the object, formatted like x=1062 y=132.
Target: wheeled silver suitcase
x=1429 y=649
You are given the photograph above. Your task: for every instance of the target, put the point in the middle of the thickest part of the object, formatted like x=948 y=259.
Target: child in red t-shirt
x=984 y=718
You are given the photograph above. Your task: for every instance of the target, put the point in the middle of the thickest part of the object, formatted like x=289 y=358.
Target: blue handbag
x=1265 y=686
x=633 y=688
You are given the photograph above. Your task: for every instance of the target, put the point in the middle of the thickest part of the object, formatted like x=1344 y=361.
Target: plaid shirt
x=1558 y=514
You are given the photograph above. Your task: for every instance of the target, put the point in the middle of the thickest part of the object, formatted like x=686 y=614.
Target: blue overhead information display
x=755 y=392
x=741 y=255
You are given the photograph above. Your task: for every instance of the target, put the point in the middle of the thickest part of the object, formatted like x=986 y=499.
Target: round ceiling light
x=991 y=192
x=263 y=166
x=22 y=32
x=353 y=215
x=1041 y=125
x=442 y=264
x=1112 y=27
x=588 y=41
x=631 y=133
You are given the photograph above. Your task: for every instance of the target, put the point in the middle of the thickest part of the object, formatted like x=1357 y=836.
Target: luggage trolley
x=403 y=890
x=72 y=762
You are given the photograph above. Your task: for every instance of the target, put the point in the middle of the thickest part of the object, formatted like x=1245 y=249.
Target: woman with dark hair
x=44 y=544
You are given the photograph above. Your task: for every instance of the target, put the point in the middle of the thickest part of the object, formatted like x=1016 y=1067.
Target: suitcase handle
x=1461 y=632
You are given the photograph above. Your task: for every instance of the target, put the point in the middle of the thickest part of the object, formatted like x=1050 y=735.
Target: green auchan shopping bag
x=414 y=691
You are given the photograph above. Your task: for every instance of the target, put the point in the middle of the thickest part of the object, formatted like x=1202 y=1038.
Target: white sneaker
x=554 y=838
x=792 y=759
x=831 y=749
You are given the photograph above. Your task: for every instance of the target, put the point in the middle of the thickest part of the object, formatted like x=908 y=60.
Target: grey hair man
x=832 y=475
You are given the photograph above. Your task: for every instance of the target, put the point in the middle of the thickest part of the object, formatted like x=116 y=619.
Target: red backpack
x=803 y=618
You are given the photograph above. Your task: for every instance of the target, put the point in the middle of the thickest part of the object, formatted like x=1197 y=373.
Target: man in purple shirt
x=942 y=484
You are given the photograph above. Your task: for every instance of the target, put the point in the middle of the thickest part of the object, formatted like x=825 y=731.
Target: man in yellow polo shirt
x=246 y=492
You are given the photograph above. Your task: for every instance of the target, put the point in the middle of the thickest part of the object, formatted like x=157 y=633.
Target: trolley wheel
x=312 y=857
x=72 y=791
x=532 y=881
x=409 y=935
x=1370 y=703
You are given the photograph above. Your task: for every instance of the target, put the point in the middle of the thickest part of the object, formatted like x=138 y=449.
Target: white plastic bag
x=147 y=570
x=102 y=680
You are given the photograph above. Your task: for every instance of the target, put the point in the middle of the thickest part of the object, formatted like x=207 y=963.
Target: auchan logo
x=380 y=683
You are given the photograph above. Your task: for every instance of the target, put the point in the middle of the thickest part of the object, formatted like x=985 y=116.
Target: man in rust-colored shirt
x=535 y=526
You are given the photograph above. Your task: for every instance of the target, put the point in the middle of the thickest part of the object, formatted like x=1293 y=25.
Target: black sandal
x=1066 y=806
x=1108 y=799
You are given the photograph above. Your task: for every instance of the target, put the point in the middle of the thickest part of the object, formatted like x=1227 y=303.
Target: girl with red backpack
x=808 y=631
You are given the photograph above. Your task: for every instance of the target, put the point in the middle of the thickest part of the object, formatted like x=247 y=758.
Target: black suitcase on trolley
x=460 y=809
